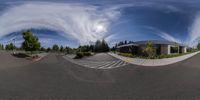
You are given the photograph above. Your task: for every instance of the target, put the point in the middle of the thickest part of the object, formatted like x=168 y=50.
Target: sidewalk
x=153 y=62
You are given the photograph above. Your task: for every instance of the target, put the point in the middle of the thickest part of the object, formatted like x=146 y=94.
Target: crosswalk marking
x=117 y=63
x=108 y=65
x=98 y=64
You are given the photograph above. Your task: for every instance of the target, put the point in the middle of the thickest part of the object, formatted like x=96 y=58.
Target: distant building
x=162 y=47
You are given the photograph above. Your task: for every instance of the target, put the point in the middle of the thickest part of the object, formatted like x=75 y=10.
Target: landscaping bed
x=29 y=56
x=83 y=54
x=155 y=57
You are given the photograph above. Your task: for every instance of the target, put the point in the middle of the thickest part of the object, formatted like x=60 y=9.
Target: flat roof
x=125 y=45
x=137 y=43
x=156 y=42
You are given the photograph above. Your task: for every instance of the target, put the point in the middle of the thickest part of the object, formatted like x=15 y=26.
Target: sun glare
x=100 y=28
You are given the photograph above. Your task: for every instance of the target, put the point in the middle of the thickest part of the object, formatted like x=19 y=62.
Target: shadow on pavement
x=20 y=55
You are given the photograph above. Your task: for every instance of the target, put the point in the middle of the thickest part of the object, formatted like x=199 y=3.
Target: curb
x=155 y=62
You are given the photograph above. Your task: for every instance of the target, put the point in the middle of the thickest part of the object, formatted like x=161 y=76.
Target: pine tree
x=55 y=47
x=31 y=42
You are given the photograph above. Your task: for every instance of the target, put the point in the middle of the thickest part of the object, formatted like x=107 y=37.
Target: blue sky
x=71 y=23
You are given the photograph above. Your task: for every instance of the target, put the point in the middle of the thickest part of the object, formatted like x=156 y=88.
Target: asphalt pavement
x=55 y=78
x=98 y=61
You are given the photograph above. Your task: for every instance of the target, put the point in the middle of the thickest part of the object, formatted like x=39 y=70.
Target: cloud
x=85 y=23
x=163 y=35
x=194 y=35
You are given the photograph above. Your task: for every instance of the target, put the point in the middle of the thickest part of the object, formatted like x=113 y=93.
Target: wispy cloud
x=194 y=35
x=163 y=34
x=83 y=22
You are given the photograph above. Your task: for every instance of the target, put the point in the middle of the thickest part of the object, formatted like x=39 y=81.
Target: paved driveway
x=55 y=78
x=98 y=61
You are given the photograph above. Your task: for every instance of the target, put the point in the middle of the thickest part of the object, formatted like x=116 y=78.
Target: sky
x=79 y=22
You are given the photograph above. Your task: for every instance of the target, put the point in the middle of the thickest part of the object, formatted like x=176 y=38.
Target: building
x=162 y=47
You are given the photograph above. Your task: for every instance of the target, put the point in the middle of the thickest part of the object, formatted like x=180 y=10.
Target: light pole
x=14 y=46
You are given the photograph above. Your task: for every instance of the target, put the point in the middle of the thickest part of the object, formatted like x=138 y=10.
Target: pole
x=14 y=47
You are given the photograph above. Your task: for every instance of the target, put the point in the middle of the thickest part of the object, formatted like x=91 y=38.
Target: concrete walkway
x=153 y=62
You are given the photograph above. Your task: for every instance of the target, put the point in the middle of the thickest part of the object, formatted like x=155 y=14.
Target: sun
x=100 y=28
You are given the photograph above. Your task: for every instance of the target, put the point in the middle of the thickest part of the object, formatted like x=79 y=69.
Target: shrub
x=79 y=55
x=171 y=55
x=21 y=55
x=87 y=53
x=126 y=54
x=82 y=54
x=150 y=49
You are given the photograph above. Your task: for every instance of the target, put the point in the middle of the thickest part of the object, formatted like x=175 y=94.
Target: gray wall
x=164 y=49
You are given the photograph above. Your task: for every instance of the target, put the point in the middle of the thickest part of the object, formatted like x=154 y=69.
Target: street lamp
x=14 y=46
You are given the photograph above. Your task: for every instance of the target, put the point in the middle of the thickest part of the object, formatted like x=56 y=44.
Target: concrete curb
x=42 y=55
x=153 y=62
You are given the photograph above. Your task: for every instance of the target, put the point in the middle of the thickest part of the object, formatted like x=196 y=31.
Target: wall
x=165 y=49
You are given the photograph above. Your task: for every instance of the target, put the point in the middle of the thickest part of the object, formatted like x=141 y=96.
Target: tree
x=97 y=46
x=113 y=48
x=55 y=47
x=84 y=48
x=48 y=49
x=43 y=49
x=31 y=42
x=125 y=42
x=105 y=47
x=10 y=46
x=150 y=49
x=1 y=47
x=67 y=49
x=130 y=42
x=101 y=46
x=61 y=49
x=198 y=46
x=91 y=48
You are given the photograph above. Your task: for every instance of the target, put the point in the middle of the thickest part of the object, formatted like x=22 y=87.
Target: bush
x=21 y=55
x=79 y=55
x=82 y=54
x=171 y=55
x=126 y=54
x=87 y=53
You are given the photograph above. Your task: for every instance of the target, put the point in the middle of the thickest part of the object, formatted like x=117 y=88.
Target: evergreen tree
x=67 y=50
x=98 y=46
x=198 y=46
x=101 y=46
x=48 y=49
x=105 y=47
x=55 y=47
x=31 y=42
x=43 y=49
x=125 y=42
x=91 y=48
x=61 y=49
